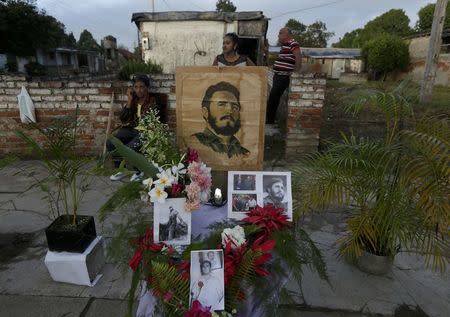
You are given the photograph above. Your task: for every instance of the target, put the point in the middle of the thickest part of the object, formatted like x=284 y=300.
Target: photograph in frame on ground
x=171 y=222
x=207 y=279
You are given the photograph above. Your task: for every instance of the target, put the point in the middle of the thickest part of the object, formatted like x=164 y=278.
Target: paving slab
x=18 y=221
x=37 y=306
x=106 y=308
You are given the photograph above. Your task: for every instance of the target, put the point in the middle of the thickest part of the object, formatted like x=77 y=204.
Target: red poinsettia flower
x=145 y=243
x=135 y=260
x=197 y=310
x=168 y=296
x=268 y=218
x=232 y=259
x=265 y=247
x=183 y=268
x=192 y=156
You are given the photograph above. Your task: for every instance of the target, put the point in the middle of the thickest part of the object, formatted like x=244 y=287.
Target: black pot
x=63 y=235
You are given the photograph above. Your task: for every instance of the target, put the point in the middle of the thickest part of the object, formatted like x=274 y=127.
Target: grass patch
x=338 y=92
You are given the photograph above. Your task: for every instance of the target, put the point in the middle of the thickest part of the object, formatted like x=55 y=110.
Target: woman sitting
x=139 y=102
x=230 y=57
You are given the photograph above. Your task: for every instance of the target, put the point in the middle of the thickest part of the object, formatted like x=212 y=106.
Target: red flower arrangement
x=197 y=310
x=266 y=219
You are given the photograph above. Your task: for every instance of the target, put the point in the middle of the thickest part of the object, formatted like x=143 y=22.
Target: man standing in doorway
x=288 y=61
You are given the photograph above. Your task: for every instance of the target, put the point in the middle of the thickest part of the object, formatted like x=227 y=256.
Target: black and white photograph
x=207 y=279
x=277 y=191
x=260 y=189
x=243 y=202
x=172 y=223
x=244 y=182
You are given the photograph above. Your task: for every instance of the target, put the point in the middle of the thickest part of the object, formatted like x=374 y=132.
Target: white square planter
x=77 y=268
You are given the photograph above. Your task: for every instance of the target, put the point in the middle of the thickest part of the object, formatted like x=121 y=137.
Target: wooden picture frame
x=221 y=113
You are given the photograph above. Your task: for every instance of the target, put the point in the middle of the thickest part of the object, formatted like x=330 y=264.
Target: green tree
x=393 y=22
x=87 y=41
x=313 y=35
x=385 y=54
x=426 y=18
x=24 y=28
x=349 y=40
x=225 y=6
x=71 y=41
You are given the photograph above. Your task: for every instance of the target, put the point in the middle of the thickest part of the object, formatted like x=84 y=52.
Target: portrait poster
x=171 y=222
x=221 y=113
x=248 y=189
x=207 y=279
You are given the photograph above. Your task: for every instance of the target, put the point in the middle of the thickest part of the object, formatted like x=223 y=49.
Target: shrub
x=35 y=69
x=385 y=54
x=138 y=67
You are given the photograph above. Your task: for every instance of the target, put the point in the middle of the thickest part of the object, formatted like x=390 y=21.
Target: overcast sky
x=113 y=17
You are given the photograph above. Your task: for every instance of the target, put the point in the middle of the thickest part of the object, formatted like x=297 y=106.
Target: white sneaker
x=118 y=176
x=136 y=177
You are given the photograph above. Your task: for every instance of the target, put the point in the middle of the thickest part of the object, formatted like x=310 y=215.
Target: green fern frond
x=167 y=279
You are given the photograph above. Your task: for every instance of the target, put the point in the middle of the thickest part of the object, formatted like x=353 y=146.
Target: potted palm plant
x=66 y=182
x=399 y=186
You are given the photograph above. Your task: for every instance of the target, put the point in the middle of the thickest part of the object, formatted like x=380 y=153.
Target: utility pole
x=426 y=90
x=153 y=6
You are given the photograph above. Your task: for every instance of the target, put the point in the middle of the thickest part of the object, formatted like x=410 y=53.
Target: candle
x=218 y=196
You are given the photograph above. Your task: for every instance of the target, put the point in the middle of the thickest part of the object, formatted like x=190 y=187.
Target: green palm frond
x=135 y=159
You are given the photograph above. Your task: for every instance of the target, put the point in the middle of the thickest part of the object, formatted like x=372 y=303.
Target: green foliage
x=158 y=142
x=17 y=18
x=399 y=187
x=35 y=69
x=313 y=35
x=70 y=41
x=225 y=6
x=385 y=54
x=87 y=41
x=138 y=67
x=68 y=173
x=426 y=18
x=350 y=40
x=393 y=22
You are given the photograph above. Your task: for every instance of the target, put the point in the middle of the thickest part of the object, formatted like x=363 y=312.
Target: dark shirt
x=209 y=139
x=276 y=203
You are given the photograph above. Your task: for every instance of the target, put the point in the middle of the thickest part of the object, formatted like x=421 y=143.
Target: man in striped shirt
x=288 y=61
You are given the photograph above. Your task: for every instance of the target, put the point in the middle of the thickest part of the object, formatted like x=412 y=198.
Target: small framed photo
x=171 y=222
x=243 y=202
x=247 y=189
x=207 y=279
x=244 y=182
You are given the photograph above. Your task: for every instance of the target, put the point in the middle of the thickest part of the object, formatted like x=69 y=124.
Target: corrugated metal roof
x=197 y=15
x=325 y=52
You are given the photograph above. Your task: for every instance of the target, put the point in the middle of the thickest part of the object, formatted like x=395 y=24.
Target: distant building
x=418 y=48
x=195 y=38
x=63 y=61
x=330 y=61
x=110 y=52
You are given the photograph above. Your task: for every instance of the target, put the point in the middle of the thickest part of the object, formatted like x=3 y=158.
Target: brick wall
x=59 y=98
x=304 y=109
